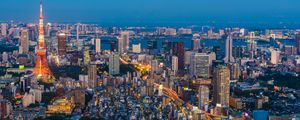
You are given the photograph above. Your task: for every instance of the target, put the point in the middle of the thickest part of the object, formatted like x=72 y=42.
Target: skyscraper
x=86 y=59
x=275 y=55
x=42 y=69
x=98 y=45
x=123 y=42
x=3 y=29
x=178 y=50
x=228 y=50
x=234 y=71
x=92 y=74
x=203 y=97
x=221 y=88
x=62 y=43
x=24 y=41
x=114 y=64
x=298 y=42
x=199 y=65
x=196 y=42
x=175 y=63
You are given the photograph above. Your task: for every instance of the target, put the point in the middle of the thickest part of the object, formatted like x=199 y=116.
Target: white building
x=275 y=55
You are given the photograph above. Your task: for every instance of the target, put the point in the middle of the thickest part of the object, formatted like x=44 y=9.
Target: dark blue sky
x=153 y=11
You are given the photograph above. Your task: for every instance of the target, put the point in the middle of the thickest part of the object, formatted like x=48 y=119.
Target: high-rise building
x=24 y=41
x=199 y=65
x=98 y=45
x=175 y=63
x=4 y=29
x=114 y=64
x=228 y=50
x=86 y=59
x=221 y=87
x=178 y=50
x=275 y=55
x=123 y=42
x=203 y=97
x=62 y=43
x=298 y=42
x=196 y=42
x=42 y=70
x=92 y=73
x=234 y=71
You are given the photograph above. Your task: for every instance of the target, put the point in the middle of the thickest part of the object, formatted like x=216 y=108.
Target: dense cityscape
x=83 y=71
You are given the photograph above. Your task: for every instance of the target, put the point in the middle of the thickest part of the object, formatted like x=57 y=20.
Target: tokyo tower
x=41 y=69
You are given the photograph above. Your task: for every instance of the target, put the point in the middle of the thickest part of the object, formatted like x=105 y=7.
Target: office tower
x=42 y=69
x=203 y=97
x=221 y=88
x=298 y=42
x=114 y=64
x=234 y=71
x=86 y=59
x=175 y=63
x=136 y=48
x=62 y=43
x=24 y=41
x=98 y=45
x=196 y=42
x=3 y=29
x=92 y=73
x=199 y=65
x=123 y=42
x=275 y=55
x=228 y=50
x=178 y=50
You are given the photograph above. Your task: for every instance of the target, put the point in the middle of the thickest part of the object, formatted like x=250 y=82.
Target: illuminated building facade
x=221 y=88
x=62 y=43
x=62 y=105
x=24 y=41
x=123 y=42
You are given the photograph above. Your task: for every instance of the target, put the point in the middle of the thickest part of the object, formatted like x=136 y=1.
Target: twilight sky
x=153 y=11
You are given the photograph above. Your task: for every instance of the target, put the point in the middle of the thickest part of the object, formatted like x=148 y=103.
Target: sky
x=153 y=11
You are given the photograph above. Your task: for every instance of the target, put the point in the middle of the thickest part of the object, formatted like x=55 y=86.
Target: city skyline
x=86 y=71
x=155 y=12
